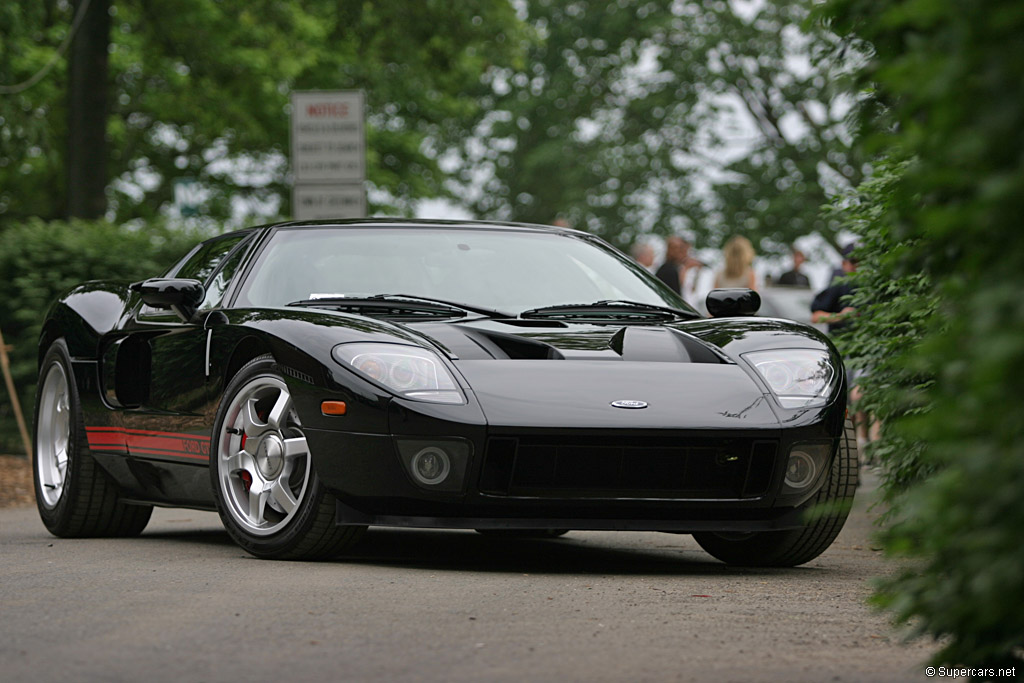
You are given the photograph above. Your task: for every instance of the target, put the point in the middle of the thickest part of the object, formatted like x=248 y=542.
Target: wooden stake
x=6 y=365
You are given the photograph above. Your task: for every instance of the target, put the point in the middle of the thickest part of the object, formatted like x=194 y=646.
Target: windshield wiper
x=609 y=308
x=406 y=305
x=480 y=310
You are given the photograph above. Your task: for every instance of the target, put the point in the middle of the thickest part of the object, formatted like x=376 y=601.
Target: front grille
x=597 y=467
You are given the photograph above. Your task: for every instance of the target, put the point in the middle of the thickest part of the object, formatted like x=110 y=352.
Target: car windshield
x=507 y=270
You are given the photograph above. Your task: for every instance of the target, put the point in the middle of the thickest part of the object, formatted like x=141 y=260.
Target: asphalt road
x=181 y=603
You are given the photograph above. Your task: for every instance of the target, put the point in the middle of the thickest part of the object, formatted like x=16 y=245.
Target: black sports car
x=308 y=380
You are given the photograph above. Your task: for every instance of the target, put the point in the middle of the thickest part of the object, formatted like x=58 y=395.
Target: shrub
x=896 y=311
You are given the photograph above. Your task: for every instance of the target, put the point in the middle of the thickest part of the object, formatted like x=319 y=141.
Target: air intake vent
x=590 y=467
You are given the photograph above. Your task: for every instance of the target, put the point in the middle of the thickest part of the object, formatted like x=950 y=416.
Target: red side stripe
x=149 y=442
x=187 y=456
x=125 y=430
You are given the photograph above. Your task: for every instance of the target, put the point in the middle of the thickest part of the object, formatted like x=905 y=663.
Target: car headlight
x=798 y=377
x=409 y=371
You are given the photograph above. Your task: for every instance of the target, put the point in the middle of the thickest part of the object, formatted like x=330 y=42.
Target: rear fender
x=81 y=317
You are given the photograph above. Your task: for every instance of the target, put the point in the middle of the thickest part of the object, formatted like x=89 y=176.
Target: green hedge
x=948 y=79
x=39 y=260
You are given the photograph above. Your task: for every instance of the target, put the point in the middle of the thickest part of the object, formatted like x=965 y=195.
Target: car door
x=156 y=370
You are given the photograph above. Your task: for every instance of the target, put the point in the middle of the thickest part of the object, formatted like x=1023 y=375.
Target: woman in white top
x=739 y=264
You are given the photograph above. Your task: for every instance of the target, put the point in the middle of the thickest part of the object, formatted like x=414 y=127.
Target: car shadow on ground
x=576 y=553
x=586 y=553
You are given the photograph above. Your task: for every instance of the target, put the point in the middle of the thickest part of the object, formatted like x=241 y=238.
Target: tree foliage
x=949 y=78
x=199 y=88
x=630 y=117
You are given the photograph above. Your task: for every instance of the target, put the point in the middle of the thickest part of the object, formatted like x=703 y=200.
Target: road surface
x=182 y=603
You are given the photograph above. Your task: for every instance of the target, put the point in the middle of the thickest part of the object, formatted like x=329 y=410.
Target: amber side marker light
x=333 y=407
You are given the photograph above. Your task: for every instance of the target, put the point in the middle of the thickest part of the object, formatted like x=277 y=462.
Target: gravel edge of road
x=15 y=482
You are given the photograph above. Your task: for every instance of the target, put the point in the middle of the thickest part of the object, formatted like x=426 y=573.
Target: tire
x=523 y=533
x=796 y=546
x=269 y=496
x=75 y=497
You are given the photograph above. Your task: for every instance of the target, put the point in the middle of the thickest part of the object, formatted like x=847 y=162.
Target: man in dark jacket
x=829 y=305
x=678 y=263
x=794 y=278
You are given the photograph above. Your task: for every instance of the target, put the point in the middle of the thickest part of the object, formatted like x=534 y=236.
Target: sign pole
x=5 y=363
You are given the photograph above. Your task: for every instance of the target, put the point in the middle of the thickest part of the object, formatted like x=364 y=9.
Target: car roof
x=417 y=223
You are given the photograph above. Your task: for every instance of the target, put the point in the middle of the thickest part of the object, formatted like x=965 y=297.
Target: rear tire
x=797 y=546
x=75 y=497
x=269 y=496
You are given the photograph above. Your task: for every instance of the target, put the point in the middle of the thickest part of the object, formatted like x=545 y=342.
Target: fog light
x=800 y=470
x=431 y=465
x=437 y=465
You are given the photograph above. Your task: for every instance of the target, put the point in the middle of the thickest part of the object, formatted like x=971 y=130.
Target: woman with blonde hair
x=739 y=264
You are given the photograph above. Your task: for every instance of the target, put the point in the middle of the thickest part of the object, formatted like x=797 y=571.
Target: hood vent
x=643 y=343
x=511 y=346
x=659 y=344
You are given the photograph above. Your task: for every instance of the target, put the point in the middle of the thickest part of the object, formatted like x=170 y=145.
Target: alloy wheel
x=53 y=435
x=263 y=459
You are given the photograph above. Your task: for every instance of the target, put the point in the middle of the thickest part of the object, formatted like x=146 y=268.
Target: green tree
x=634 y=117
x=199 y=88
x=948 y=82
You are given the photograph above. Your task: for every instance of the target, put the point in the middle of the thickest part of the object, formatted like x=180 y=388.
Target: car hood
x=580 y=375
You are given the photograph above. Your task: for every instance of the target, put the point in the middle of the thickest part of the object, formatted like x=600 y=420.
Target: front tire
x=269 y=496
x=796 y=546
x=75 y=497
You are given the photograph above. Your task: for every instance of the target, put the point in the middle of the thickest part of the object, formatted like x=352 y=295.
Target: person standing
x=739 y=264
x=643 y=253
x=678 y=263
x=830 y=305
x=793 y=277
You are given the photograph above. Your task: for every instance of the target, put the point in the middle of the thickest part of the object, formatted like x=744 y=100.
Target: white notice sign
x=315 y=202
x=328 y=140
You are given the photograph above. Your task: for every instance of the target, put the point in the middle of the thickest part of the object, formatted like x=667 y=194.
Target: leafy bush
x=949 y=76
x=39 y=260
x=896 y=310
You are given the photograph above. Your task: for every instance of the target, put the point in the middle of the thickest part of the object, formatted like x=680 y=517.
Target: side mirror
x=726 y=303
x=181 y=295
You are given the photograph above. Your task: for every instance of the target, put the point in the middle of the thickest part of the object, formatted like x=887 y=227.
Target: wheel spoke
x=257 y=503
x=283 y=495
x=295 y=448
x=251 y=424
x=280 y=410
x=241 y=461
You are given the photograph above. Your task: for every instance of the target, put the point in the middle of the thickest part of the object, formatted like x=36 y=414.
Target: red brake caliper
x=246 y=477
